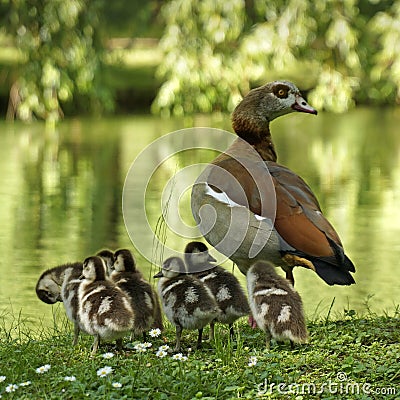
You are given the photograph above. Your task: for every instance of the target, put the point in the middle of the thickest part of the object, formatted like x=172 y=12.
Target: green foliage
x=63 y=57
x=345 y=50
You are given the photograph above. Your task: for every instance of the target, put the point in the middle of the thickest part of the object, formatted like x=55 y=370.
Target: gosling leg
x=76 y=334
x=231 y=331
x=95 y=346
x=212 y=336
x=199 y=338
x=268 y=340
x=178 y=338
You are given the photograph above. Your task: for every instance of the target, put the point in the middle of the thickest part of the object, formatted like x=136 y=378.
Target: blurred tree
x=60 y=42
x=345 y=50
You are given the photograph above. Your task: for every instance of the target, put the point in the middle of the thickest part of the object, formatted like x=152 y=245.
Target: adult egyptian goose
x=276 y=307
x=224 y=286
x=251 y=208
x=187 y=301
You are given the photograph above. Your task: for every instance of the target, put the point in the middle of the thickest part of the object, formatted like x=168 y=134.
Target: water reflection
x=61 y=197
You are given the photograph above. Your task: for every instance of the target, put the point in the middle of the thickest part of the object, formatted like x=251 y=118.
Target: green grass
x=349 y=356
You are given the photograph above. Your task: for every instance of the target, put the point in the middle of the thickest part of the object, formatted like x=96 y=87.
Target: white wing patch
x=221 y=197
x=105 y=305
x=223 y=293
x=284 y=316
x=271 y=291
x=190 y=295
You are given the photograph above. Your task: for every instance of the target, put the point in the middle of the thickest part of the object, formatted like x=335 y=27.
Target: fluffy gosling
x=143 y=299
x=224 y=286
x=104 y=310
x=187 y=302
x=276 y=306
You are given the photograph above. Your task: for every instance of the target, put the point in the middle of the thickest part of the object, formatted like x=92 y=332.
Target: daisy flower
x=26 y=383
x=11 y=388
x=164 y=347
x=161 y=353
x=102 y=372
x=108 y=355
x=147 y=345
x=179 y=356
x=140 y=347
x=43 y=369
x=70 y=378
x=155 y=332
x=2 y=378
x=252 y=361
x=116 y=385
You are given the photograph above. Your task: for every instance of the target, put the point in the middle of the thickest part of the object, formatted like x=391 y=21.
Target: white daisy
x=116 y=385
x=155 y=332
x=252 y=361
x=164 y=347
x=161 y=353
x=43 y=369
x=26 y=383
x=140 y=347
x=108 y=355
x=11 y=388
x=179 y=356
x=2 y=378
x=70 y=379
x=102 y=372
x=147 y=345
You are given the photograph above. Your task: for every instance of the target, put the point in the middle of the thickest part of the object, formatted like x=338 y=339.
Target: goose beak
x=159 y=275
x=301 y=105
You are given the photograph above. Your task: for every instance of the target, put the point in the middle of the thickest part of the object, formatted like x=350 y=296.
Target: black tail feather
x=332 y=274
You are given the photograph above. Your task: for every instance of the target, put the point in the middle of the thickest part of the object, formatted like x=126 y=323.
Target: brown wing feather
x=298 y=215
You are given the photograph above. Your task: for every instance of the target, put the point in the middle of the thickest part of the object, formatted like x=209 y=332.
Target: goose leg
x=178 y=337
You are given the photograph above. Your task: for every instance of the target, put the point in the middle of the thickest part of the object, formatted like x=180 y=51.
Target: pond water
x=61 y=198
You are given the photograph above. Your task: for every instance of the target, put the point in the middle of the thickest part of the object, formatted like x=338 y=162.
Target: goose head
x=48 y=290
x=264 y=104
x=94 y=269
x=171 y=268
x=197 y=257
x=124 y=261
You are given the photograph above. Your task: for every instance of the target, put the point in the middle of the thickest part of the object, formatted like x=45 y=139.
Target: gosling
x=104 y=310
x=108 y=257
x=142 y=297
x=277 y=308
x=187 y=302
x=61 y=284
x=224 y=286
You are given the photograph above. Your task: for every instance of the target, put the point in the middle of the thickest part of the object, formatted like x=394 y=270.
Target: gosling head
x=265 y=103
x=197 y=257
x=108 y=257
x=94 y=269
x=124 y=261
x=48 y=291
x=171 y=268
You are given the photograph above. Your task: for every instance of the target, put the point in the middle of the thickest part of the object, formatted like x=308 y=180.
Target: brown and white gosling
x=276 y=306
x=143 y=299
x=61 y=284
x=224 y=286
x=104 y=310
x=108 y=258
x=48 y=286
x=187 y=302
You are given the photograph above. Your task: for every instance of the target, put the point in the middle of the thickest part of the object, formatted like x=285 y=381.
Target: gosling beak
x=159 y=275
x=302 y=106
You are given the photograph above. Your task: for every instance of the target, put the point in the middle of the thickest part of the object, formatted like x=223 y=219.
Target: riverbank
x=349 y=356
